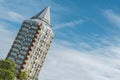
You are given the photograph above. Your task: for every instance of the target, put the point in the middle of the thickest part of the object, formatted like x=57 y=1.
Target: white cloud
x=68 y=24
x=112 y=16
x=15 y=16
x=116 y=50
x=66 y=63
x=10 y=15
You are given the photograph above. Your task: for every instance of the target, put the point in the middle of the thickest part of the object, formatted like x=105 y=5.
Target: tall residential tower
x=31 y=45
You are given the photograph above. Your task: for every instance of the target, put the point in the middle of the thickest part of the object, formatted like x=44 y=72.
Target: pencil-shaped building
x=31 y=45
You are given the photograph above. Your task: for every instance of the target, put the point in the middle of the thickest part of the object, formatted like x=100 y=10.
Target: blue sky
x=87 y=41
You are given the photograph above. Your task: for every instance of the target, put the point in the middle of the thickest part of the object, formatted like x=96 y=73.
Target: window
x=19 y=61
x=28 y=21
x=28 y=40
x=34 y=27
x=25 y=48
x=26 y=44
x=25 y=25
x=38 y=49
x=24 y=28
x=20 y=37
x=32 y=31
x=21 y=57
x=18 y=67
x=18 y=42
x=23 y=52
x=22 y=33
x=36 y=53
x=36 y=23
x=17 y=45
x=11 y=58
x=14 y=54
x=31 y=35
x=14 y=49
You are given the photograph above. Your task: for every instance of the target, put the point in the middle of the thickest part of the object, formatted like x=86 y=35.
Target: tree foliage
x=23 y=75
x=7 y=70
x=6 y=75
x=7 y=65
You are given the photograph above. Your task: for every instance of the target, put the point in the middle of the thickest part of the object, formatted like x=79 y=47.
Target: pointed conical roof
x=44 y=14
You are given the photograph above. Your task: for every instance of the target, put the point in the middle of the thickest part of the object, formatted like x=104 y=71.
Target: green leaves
x=6 y=75
x=23 y=75
x=7 y=70
x=8 y=65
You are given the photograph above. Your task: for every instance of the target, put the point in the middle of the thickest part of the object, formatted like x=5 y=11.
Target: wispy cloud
x=8 y=14
x=112 y=16
x=63 y=60
x=68 y=24
x=15 y=16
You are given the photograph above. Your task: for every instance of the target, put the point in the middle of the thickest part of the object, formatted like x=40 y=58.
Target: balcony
x=19 y=62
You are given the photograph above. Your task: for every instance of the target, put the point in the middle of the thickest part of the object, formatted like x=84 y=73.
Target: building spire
x=44 y=15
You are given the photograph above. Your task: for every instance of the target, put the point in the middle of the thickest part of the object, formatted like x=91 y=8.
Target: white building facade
x=31 y=45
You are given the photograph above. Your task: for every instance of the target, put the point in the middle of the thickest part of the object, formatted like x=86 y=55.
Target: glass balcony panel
x=21 y=57
x=14 y=54
x=22 y=33
x=17 y=45
x=23 y=53
x=34 y=27
x=23 y=28
x=13 y=59
x=27 y=22
x=20 y=37
x=18 y=67
x=18 y=41
x=26 y=43
x=19 y=61
x=15 y=49
x=31 y=35
x=25 y=48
